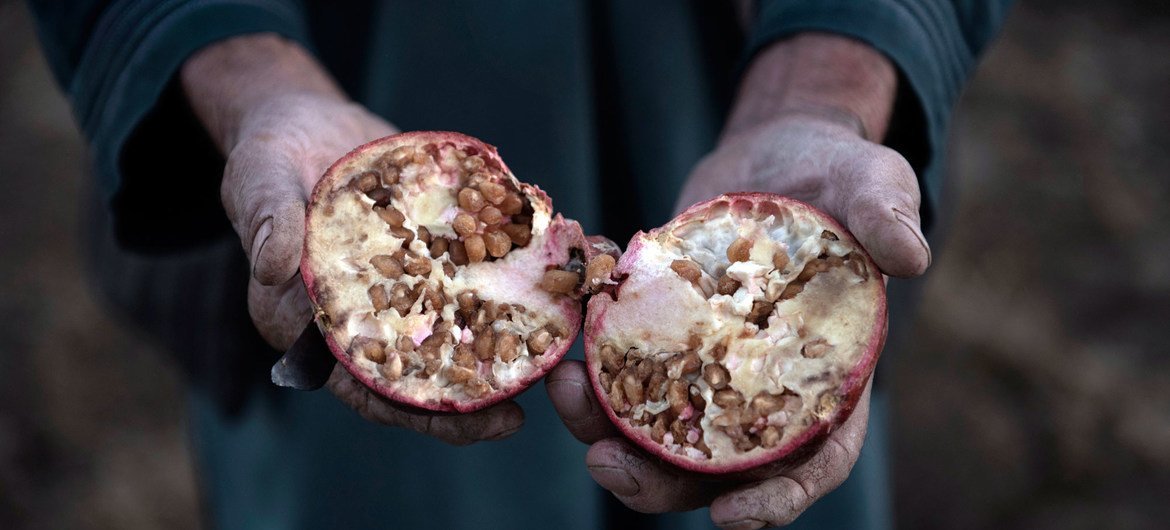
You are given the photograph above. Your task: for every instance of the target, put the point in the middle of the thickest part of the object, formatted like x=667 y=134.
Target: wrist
x=822 y=76
x=227 y=81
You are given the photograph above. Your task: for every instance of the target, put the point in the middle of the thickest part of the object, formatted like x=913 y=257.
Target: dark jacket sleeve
x=934 y=44
x=117 y=61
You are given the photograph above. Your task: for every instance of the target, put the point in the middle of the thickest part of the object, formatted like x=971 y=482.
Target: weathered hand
x=281 y=122
x=802 y=127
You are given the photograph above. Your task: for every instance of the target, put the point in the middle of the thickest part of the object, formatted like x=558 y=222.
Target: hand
x=804 y=125
x=281 y=121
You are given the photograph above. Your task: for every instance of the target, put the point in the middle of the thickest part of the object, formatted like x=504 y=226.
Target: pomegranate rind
x=524 y=267
x=794 y=449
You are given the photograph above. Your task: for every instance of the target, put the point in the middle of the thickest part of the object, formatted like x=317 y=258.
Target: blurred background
x=1034 y=393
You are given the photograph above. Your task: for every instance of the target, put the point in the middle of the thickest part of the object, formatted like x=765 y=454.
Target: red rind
x=774 y=460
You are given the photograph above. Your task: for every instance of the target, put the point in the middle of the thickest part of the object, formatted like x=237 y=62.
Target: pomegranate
x=733 y=339
x=438 y=279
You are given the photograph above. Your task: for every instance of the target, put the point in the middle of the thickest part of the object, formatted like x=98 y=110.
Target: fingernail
x=915 y=229
x=575 y=404
x=617 y=480
x=743 y=524
x=258 y=240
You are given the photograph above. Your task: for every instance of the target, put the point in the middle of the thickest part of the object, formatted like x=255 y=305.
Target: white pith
x=837 y=306
x=344 y=233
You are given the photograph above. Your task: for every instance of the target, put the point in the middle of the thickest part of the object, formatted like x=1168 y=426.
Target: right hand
x=281 y=121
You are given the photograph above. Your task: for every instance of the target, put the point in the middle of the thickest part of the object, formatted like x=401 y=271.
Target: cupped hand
x=282 y=122
x=817 y=158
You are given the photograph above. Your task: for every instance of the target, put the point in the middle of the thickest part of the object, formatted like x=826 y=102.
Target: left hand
x=809 y=137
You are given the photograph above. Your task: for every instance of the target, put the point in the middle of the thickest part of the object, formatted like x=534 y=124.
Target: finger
x=572 y=396
x=882 y=211
x=493 y=423
x=643 y=484
x=778 y=501
x=279 y=312
x=265 y=201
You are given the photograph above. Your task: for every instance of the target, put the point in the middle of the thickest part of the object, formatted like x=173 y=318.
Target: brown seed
x=471 y=200
x=678 y=429
x=389 y=175
x=467 y=302
x=697 y=400
x=739 y=250
x=439 y=246
x=424 y=235
x=857 y=265
x=380 y=196
x=387 y=266
x=430 y=346
x=458 y=374
x=834 y=261
x=611 y=360
x=676 y=395
x=485 y=344
x=369 y=348
x=716 y=375
x=780 y=260
x=718 y=352
x=539 y=341
x=458 y=252
x=437 y=300
x=656 y=390
x=402 y=154
x=597 y=271
x=391 y=216
x=759 y=313
x=727 y=285
x=522 y=218
x=632 y=387
x=392 y=370
x=494 y=193
x=688 y=269
x=379 y=297
x=473 y=163
x=402 y=233
x=448 y=269
x=404 y=344
x=464 y=224
x=401 y=298
x=498 y=243
x=617 y=396
x=829 y=235
x=605 y=378
x=490 y=215
x=769 y=437
x=559 y=281
x=727 y=398
x=694 y=341
x=417 y=266
x=815 y=349
x=367 y=181
x=519 y=234
x=810 y=269
x=682 y=365
x=765 y=404
x=476 y=250
x=512 y=204
x=508 y=347
x=476 y=387
x=791 y=290
x=658 y=430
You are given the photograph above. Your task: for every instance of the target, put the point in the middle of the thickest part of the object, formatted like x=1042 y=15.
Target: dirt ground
x=1036 y=392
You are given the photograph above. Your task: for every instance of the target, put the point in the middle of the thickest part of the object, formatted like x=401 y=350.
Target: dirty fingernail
x=617 y=480
x=258 y=240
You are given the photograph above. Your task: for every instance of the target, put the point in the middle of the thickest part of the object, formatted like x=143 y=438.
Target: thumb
x=882 y=212
x=263 y=198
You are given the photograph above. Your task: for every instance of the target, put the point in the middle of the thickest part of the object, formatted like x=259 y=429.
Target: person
x=625 y=112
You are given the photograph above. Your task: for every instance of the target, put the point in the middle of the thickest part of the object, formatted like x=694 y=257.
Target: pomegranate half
x=424 y=259
x=737 y=336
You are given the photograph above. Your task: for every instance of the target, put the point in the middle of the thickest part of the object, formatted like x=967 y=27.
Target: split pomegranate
x=438 y=279
x=733 y=339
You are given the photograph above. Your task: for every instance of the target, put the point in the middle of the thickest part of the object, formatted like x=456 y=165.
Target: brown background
x=1035 y=392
